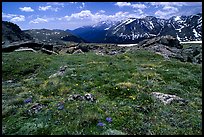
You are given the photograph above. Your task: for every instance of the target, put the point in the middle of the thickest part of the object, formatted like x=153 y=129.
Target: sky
x=72 y=15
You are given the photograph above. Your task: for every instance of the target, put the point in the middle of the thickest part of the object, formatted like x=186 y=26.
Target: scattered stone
x=79 y=51
x=48 y=51
x=25 y=49
x=200 y=111
x=113 y=132
x=9 y=81
x=87 y=97
x=78 y=97
x=61 y=72
x=168 y=99
x=35 y=108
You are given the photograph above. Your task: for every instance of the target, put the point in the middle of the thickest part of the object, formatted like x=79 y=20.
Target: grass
x=121 y=85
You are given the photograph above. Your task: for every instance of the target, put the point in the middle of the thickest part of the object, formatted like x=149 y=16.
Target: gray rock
x=79 y=51
x=113 y=132
x=168 y=99
x=87 y=97
x=163 y=40
x=61 y=72
x=35 y=108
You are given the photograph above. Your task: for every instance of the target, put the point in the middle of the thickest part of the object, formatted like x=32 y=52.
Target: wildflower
x=61 y=107
x=109 y=119
x=28 y=100
x=100 y=124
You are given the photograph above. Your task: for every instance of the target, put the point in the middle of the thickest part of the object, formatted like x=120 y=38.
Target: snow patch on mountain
x=129 y=21
x=196 y=34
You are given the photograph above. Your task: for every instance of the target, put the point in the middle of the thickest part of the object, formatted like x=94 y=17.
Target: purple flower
x=61 y=107
x=109 y=119
x=28 y=100
x=100 y=124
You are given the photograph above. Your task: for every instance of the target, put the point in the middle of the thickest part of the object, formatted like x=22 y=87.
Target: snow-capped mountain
x=184 y=28
x=133 y=30
x=95 y=33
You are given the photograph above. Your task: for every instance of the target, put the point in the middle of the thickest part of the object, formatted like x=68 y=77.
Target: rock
x=192 y=54
x=35 y=108
x=78 y=97
x=89 y=97
x=25 y=49
x=63 y=68
x=168 y=99
x=163 y=40
x=48 y=51
x=113 y=132
x=61 y=72
x=79 y=51
x=70 y=50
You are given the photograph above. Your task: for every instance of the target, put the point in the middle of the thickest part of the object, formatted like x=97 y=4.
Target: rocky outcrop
x=170 y=47
x=163 y=40
x=192 y=54
x=12 y=33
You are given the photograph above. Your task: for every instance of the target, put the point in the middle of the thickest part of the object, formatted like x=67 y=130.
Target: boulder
x=192 y=54
x=167 y=98
x=79 y=51
x=163 y=40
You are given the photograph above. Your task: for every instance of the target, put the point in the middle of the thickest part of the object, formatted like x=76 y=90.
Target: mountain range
x=134 y=30
x=12 y=33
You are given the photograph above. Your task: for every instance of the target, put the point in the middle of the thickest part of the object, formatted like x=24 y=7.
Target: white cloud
x=168 y=8
x=26 y=9
x=4 y=15
x=122 y=4
x=41 y=20
x=38 y=20
x=88 y=16
x=13 y=17
x=44 y=8
x=169 y=3
x=73 y=2
x=139 y=6
x=167 y=12
x=18 y=18
x=128 y=4
x=82 y=6
x=101 y=11
x=56 y=3
x=138 y=11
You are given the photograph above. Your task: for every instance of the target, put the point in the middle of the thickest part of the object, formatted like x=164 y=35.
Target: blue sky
x=71 y=15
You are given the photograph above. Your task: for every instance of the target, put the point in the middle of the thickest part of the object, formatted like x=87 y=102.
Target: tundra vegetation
x=97 y=94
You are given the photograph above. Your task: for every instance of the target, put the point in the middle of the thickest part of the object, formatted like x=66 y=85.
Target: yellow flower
x=132 y=97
